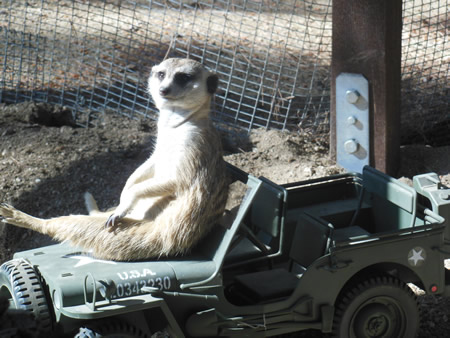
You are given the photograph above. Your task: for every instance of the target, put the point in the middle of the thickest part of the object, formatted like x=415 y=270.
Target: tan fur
x=173 y=199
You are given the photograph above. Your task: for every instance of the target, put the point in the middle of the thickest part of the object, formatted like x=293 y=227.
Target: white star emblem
x=84 y=260
x=416 y=256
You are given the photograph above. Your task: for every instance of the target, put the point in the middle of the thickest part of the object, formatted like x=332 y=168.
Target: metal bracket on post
x=352 y=121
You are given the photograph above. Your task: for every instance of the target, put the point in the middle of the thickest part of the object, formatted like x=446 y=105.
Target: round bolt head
x=351 y=146
x=351 y=120
x=352 y=95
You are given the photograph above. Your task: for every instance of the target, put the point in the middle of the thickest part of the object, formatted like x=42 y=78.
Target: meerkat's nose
x=164 y=91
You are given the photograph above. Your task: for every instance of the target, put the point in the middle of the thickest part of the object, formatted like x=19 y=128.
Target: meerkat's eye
x=161 y=75
x=183 y=78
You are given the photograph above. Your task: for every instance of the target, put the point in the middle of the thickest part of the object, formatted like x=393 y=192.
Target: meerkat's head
x=181 y=84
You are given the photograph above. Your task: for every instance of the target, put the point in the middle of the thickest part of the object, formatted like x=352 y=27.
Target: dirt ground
x=46 y=164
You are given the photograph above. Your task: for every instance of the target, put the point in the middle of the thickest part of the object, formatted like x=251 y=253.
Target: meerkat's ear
x=153 y=69
x=211 y=83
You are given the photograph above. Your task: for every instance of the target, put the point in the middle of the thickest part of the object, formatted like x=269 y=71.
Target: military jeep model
x=333 y=254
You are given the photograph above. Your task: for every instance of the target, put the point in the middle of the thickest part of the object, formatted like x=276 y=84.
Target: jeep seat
x=311 y=241
x=259 y=235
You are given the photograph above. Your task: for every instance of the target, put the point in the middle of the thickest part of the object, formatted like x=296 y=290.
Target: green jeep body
x=332 y=254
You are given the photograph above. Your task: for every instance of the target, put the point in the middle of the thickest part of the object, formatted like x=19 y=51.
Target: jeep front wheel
x=378 y=307
x=21 y=286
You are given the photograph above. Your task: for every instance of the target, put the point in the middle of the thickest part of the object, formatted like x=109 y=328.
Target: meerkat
x=175 y=197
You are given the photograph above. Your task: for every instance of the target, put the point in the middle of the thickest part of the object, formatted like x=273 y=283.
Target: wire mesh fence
x=425 y=72
x=273 y=58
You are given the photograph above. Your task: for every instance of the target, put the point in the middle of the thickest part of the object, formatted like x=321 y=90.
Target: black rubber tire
x=111 y=328
x=20 y=284
x=377 y=307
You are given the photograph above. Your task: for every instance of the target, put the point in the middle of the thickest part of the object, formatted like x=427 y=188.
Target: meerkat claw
x=112 y=220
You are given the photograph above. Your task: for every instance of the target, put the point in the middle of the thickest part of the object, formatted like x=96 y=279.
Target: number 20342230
x=130 y=286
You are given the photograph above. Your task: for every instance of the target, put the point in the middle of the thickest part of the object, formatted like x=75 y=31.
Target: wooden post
x=367 y=41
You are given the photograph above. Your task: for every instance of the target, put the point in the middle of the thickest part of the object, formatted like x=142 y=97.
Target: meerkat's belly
x=147 y=208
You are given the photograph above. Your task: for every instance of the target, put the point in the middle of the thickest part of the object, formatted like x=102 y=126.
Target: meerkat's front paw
x=125 y=205
x=116 y=217
x=114 y=220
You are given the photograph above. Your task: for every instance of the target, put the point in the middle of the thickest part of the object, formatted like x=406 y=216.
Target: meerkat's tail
x=90 y=203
